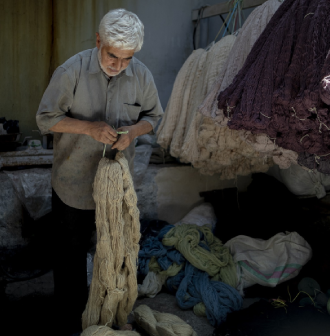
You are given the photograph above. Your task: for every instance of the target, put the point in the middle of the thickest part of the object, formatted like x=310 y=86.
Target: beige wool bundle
x=161 y=324
x=113 y=290
x=106 y=331
x=249 y=33
x=178 y=101
x=212 y=149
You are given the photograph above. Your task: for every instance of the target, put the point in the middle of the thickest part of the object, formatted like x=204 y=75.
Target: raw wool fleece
x=248 y=35
x=277 y=90
x=113 y=290
x=161 y=324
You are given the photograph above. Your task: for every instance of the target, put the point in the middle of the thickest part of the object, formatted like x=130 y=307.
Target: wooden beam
x=223 y=8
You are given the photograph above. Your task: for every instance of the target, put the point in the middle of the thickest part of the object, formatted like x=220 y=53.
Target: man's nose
x=118 y=64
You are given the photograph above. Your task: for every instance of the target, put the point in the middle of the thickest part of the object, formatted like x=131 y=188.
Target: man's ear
x=98 y=41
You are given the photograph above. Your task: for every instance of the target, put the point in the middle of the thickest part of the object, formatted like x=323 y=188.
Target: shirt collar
x=95 y=66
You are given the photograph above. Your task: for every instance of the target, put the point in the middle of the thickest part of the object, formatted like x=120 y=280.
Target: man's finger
x=118 y=144
x=112 y=132
x=108 y=139
x=111 y=136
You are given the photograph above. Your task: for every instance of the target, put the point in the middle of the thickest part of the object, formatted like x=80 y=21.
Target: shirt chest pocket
x=131 y=113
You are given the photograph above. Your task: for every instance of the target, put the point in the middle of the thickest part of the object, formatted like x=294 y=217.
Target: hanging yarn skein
x=277 y=90
x=261 y=143
x=113 y=290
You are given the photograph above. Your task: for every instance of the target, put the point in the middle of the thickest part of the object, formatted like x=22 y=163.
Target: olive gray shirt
x=80 y=89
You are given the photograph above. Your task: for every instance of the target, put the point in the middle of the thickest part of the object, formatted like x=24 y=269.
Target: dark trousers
x=71 y=233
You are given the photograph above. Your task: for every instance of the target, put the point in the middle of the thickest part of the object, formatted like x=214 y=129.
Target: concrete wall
x=168 y=192
x=39 y=35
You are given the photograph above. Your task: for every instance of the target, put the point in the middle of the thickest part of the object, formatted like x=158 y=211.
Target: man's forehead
x=119 y=53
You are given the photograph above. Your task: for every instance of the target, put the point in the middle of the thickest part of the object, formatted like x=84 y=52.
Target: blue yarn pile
x=191 y=285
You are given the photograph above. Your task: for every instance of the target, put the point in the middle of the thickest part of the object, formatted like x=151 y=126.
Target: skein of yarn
x=106 y=331
x=213 y=299
x=217 y=262
x=161 y=324
x=113 y=289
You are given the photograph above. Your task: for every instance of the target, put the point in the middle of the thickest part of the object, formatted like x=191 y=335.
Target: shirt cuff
x=46 y=120
x=153 y=121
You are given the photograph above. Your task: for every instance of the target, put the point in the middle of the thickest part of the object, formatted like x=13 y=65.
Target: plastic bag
x=268 y=262
x=200 y=215
x=302 y=182
x=33 y=188
x=141 y=162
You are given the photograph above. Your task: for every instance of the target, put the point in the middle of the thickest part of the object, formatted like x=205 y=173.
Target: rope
x=233 y=11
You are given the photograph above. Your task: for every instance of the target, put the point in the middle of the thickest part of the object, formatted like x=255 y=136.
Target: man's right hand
x=102 y=132
x=98 y=130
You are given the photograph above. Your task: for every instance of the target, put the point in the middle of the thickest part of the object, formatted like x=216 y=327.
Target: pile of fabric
x=282 y=89
x=211 y=277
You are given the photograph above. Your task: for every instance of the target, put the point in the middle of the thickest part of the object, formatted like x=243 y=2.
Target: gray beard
x=102 y=67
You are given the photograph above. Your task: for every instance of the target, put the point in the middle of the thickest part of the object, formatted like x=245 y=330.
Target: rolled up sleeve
x=152 y=110
x=56 y=101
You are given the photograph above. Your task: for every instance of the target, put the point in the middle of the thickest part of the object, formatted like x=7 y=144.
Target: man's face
x=113 y=60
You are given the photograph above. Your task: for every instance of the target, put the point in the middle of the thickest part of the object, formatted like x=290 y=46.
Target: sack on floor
x=269 y=262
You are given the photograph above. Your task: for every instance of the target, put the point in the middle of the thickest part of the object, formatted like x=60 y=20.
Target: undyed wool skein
x=106 y=331
x=113 y=290
x=161 y=324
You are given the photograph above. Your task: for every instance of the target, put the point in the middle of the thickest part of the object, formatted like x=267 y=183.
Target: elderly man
x=90 y=97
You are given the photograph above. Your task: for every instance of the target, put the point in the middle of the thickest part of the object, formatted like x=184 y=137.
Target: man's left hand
x=124 y=139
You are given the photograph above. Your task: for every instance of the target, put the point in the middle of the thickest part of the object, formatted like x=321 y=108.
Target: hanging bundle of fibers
x=246 y=38
x=113 y=290
x=320 y=162
x=277 y=90
x=179 y=130
x=261 y=143
x=205 y=146
x=161 y=324
x=176 y=109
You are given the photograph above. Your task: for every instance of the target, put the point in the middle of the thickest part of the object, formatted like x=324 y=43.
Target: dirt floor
x=34 y=316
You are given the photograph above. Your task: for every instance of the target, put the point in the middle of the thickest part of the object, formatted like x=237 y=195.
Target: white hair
x=122 y=29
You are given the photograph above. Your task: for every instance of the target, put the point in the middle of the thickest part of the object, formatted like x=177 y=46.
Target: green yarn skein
x=218 y=262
